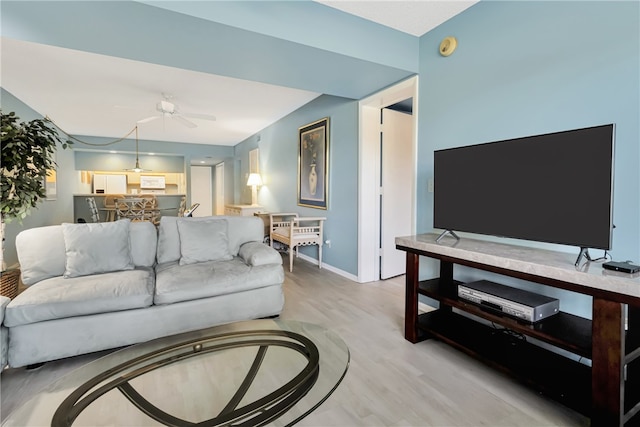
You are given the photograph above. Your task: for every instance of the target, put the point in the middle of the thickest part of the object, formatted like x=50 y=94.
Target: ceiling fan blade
x=184 y=121
x=201 y=116
x=148 y=119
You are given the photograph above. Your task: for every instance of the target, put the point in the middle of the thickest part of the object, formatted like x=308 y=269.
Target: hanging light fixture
x=137 y=168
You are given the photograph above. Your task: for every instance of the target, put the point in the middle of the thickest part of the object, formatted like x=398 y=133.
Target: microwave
x=152 y=182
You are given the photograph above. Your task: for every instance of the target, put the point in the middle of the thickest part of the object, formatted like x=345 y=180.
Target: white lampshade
x=254 y=179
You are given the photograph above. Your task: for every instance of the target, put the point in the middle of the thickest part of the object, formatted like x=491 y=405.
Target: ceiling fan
x=168 y=109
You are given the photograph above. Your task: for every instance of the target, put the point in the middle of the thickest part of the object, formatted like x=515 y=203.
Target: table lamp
x=253 y=181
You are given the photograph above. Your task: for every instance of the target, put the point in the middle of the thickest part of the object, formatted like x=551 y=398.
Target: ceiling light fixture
x=137 y=168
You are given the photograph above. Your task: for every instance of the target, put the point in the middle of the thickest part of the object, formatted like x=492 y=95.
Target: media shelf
x=608 y=391
x=564 y=330
x=556 y=376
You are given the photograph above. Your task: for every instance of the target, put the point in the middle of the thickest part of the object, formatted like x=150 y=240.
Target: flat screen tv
x=554 y=188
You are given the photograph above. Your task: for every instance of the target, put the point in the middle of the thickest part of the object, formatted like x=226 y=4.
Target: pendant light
x=137 y=168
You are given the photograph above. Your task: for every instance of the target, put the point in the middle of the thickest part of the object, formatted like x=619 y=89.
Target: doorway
x=396 y=144
x=201 y=190
x=371 y=218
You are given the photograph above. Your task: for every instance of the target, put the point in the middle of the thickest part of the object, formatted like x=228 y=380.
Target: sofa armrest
x=257 y=253
x=4 y=334
x=3 y=304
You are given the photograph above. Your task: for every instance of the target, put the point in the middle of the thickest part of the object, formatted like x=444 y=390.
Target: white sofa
x=93 y=287
x=4 y=333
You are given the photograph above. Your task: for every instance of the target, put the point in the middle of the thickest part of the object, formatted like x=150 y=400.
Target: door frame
x=219 y=189
x=369 y=173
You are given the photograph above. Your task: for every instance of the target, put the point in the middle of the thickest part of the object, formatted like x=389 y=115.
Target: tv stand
x=608 y=391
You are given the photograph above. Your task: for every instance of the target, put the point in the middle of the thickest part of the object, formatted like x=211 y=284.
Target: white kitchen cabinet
x=109 y=184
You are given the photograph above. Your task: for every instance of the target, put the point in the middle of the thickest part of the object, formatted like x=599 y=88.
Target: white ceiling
x=98 y=95
x=90 y=94
x=413 y=17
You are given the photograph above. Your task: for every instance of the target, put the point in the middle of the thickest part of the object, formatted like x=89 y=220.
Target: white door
x=201 y=190
x=396 y=178
x=219 y=183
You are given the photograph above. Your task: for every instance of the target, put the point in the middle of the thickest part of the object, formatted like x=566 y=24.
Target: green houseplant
x=28 y=152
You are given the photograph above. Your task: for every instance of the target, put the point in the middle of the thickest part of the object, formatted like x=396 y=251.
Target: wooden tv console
x=608 y=391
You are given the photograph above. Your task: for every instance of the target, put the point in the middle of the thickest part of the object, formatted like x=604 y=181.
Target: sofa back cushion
x=202 y=241
x=42 y=251
x=96 y=248
x=144 y=243
x=240 y=230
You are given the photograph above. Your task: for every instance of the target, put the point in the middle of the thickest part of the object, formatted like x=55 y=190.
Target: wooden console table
x=242 y=210
x=608 y=391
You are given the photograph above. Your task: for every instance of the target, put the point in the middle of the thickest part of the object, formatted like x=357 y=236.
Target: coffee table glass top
x=261 y=372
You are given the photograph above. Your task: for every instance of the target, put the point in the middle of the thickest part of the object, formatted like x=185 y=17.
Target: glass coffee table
x=260 y=372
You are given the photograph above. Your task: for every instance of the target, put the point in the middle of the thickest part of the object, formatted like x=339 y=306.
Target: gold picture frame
x=313 y=164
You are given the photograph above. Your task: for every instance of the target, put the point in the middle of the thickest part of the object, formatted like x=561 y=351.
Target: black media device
x=554 y=188
x=625 y=267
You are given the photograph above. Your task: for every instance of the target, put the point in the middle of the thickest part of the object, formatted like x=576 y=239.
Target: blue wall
x=279 y=168
x=331 y=29
x=302 y=59
x=525 y=68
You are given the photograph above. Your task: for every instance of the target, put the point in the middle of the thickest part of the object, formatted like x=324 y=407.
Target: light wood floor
x=390 y=382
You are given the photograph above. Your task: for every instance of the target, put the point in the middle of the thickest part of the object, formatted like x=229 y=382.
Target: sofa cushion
x=57 y=297
x=143 y=239
x=203 y=240
x=175 y=283
x=96 y=248
x=41 y=253
x=254 y=254
x=241 y=229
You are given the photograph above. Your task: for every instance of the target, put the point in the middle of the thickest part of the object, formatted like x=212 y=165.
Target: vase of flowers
x=313 y=180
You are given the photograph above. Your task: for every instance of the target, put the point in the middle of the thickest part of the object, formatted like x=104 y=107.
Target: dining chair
x=151 y=211
x=110 y=205
x=132 y=208
x=183 y=206
x=93 y=208
x=295 y=231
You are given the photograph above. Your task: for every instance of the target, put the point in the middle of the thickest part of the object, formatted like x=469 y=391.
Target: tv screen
x=554 y=188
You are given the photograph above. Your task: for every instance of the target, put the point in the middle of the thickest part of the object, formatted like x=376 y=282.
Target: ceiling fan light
x=166 y=107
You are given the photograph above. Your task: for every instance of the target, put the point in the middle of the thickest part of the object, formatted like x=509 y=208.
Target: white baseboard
x=329 y=267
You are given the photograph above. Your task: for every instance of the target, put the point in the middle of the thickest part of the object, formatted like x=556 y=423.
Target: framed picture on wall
x=313 y=164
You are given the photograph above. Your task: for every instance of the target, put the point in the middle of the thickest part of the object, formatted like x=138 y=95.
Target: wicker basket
x=9 y=283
